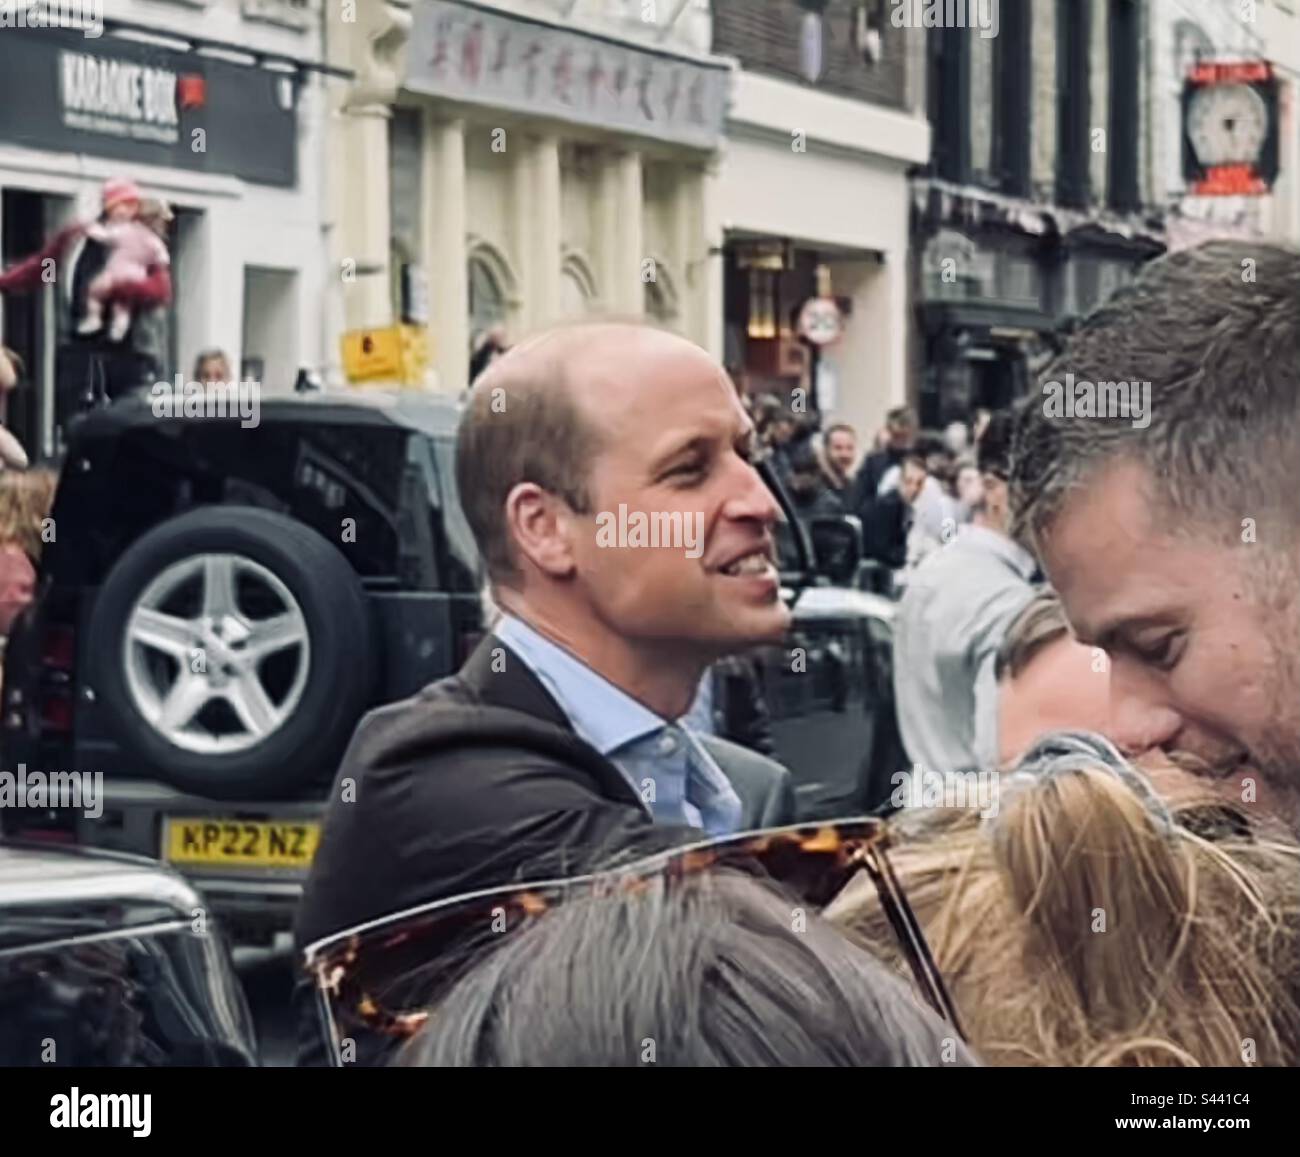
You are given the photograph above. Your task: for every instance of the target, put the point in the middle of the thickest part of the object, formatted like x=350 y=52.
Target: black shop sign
x=109 y=97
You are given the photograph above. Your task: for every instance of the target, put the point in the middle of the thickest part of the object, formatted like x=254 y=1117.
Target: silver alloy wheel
x=216 y=654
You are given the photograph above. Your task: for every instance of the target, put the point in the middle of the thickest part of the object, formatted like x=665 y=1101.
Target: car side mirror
x=837 y=548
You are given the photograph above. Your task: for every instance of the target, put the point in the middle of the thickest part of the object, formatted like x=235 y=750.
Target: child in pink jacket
x=135 y=251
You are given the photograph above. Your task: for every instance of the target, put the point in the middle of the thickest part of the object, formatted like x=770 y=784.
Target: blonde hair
x=1087 y=926
x=26 y=498
x=1040 y=622
x=155 y=213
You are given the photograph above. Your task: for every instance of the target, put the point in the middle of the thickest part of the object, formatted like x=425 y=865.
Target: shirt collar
x=601 y=713
x=1002 y=546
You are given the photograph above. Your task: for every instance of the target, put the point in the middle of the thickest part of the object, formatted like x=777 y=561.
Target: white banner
x=466 y=53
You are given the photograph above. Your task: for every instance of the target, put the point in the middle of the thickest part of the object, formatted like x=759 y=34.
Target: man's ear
x=541 y=527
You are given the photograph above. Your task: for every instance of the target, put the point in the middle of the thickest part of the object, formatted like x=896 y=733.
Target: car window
x=462 y=568
x=787 y=552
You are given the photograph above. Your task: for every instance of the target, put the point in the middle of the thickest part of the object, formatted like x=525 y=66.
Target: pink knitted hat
x=118 y=190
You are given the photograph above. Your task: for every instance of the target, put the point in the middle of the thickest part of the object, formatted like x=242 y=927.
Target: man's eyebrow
x=703 y=443
x=693 y=445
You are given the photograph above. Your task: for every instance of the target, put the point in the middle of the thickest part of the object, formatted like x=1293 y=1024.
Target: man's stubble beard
x=1276 y=752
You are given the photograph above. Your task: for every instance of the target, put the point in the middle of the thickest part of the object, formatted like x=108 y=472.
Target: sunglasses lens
x=377 y=984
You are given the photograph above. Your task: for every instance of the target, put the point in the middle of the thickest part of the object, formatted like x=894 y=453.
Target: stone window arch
x=662 y=301
x=579 y=294
x=493 y=287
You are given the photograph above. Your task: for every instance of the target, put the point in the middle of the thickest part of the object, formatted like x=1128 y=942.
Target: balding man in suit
x=607 y=473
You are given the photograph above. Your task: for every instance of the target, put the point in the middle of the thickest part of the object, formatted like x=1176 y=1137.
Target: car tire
x=200 y=573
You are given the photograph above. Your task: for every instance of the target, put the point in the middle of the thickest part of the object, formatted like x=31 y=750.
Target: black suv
x=221 y=604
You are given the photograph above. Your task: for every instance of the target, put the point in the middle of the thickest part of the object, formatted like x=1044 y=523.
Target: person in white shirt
x=950 y=624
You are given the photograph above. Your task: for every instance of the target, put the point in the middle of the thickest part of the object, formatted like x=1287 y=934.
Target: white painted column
x=709 y=272
x=699 y=273
x=446 y=258
x=522 y=208
x=607 y=248
x=363 y=233
x=545 y=231
x=625 y=292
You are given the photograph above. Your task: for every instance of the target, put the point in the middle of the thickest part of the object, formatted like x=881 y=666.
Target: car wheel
x=230 y=648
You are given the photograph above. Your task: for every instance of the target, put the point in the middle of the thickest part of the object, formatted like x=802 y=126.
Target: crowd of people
x=545 y=825
x=910 y=491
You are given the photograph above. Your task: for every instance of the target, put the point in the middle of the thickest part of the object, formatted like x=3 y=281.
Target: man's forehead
x=1111 y=561
x=649 y=389
x=641 y=361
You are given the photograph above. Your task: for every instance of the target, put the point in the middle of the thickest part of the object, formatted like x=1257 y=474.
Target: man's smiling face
x=1203 y=657
x=675 y=440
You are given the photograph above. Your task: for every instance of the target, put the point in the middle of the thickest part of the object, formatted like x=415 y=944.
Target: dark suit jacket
x=480 y=781
x=885 y=523
x=874 y=467
x=476 y=782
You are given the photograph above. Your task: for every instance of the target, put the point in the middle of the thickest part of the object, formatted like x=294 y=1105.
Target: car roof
x=46 y=877
x=831 y=602
x=434 y=414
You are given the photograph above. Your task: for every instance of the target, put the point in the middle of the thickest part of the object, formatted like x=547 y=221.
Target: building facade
x=514 y=165
x=227 y=126
x=1041 y=195
x=825 y=122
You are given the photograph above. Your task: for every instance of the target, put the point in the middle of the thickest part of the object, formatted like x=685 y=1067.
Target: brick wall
x=765 y=36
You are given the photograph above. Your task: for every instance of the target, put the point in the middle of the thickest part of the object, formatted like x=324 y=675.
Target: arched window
x=487 y=301
x=493 y=288
x=578 y=294
x=661 y=301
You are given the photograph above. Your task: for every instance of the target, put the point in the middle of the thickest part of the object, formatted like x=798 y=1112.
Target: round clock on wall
x=1230 y=128
x=1227 y=124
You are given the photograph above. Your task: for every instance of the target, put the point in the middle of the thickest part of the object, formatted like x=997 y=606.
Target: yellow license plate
x=240 y=843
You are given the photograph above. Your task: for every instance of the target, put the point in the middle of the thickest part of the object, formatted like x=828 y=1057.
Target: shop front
x=995 y=283
x=219 y=141
x=813 y=203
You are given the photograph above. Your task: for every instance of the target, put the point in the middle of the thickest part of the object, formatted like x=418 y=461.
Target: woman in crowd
x=12 y=454
x=1092 y=923
x=26 y=498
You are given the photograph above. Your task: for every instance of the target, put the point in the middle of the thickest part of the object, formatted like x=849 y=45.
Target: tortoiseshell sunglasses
x=375 y=982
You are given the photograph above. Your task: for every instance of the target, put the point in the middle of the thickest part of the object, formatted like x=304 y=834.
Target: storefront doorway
x=766 y=282
x=270 y=327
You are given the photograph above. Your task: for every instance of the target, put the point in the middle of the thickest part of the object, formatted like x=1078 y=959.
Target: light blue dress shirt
x=665 y=763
